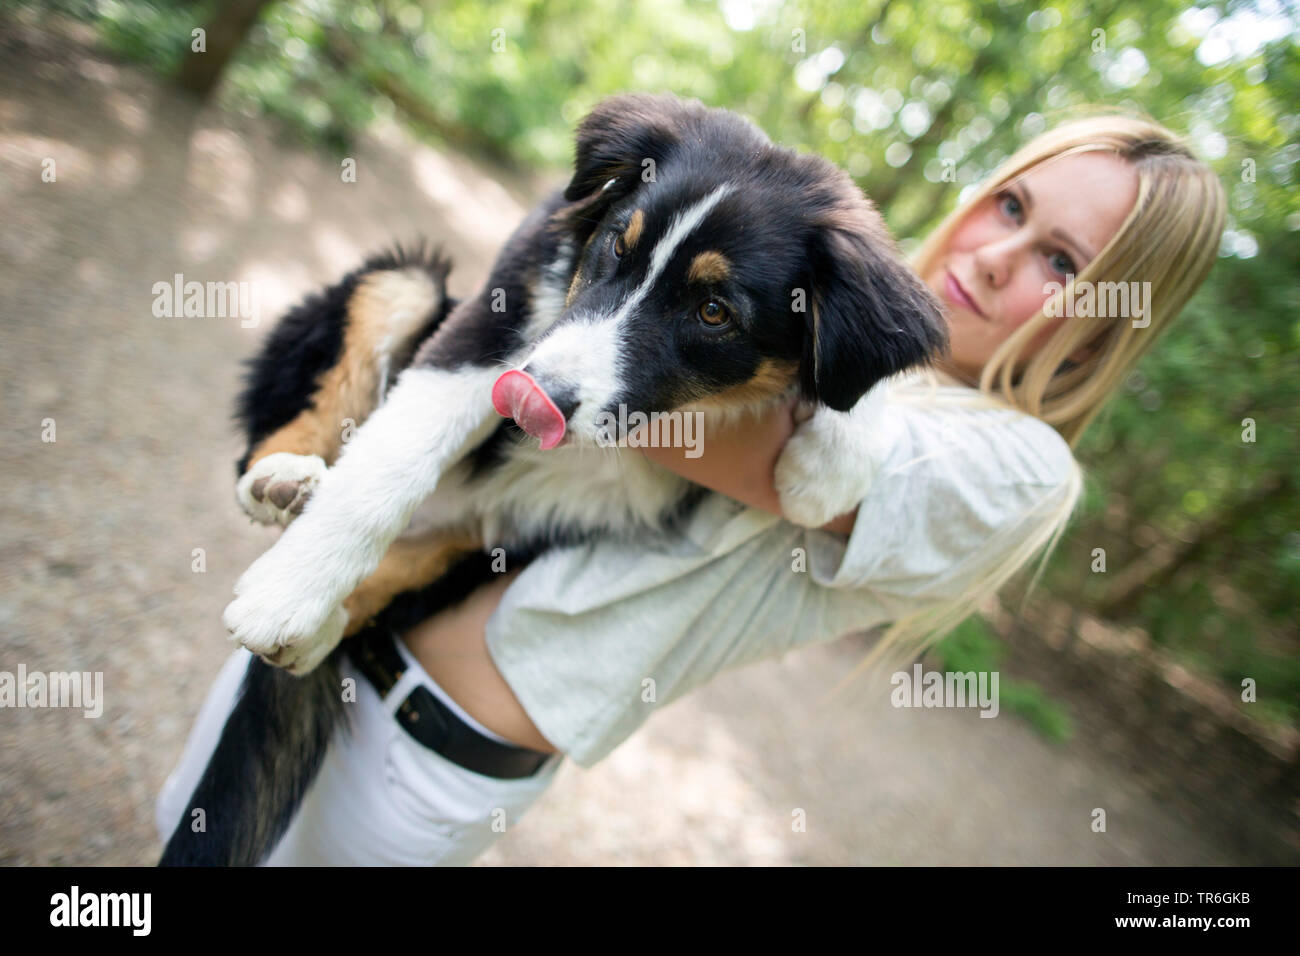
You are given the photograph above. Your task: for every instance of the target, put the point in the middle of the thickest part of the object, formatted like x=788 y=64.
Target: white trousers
x=381 y=798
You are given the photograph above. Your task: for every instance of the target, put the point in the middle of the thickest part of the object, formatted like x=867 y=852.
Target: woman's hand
x=739 y=461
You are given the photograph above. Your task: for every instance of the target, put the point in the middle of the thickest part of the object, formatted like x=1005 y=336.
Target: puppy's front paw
x=277 y=487
x=303 y=657
x=823 y=471
x=295 y=640
x=274 y=610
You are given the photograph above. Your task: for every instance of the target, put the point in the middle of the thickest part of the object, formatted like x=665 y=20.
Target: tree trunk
x=201 y=72
x=344 y=55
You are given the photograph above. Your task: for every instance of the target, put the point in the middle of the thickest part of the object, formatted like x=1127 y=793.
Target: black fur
x=816 y=280
x=248 y=768
x=872 y=316
x=476 y=332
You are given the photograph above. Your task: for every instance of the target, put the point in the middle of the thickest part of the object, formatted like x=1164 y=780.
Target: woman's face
x=1047 y=224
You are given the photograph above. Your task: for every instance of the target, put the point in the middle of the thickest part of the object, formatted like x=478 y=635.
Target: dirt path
x=100 y=527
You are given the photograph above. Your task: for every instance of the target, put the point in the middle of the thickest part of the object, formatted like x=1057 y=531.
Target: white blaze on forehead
x=683 y=224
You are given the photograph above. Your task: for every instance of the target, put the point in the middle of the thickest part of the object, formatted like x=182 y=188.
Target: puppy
x=689 y=267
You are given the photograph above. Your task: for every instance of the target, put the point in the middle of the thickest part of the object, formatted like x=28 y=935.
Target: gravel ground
x=100 y=527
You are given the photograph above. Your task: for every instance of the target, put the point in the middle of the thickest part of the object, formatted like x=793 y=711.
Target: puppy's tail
x=270 y=750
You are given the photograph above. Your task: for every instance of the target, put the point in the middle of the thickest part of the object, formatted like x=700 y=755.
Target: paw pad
x=276 y=488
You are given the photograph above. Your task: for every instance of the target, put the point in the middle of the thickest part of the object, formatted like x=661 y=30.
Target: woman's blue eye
x=1011 y=205
x=1061 y=263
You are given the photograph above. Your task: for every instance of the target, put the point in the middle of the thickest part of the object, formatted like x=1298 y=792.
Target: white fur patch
x=613 y=491
x=584 y=356
x=829 y=464
x=292 y=594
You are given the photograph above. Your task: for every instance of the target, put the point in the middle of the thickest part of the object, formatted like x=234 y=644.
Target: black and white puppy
x=690 y=265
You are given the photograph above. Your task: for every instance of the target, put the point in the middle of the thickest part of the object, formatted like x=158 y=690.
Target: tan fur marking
x=709 y=267
x=573 y=288
x=576 y=284
x=384 y=312
x=633 y=231
x=409 y=563
x=770 y=379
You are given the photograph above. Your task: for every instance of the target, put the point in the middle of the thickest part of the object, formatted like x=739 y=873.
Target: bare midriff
x=452 y=647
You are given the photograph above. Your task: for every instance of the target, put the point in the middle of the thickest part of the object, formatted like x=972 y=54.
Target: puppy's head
x=708 y=266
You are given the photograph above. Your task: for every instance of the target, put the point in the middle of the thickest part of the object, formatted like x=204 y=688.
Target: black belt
x=430 y=721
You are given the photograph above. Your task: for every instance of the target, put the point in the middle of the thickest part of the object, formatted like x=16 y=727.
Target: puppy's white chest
x=533 y=494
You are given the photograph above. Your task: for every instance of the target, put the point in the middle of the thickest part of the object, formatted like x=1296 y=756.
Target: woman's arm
x=740 y=461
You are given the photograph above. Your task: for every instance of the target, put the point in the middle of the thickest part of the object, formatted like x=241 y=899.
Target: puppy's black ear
x=870 y=315
x=617 y=138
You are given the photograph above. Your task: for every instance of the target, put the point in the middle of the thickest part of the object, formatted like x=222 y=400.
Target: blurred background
x=1162 y=684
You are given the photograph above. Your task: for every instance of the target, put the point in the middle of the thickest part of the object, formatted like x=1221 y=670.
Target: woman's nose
x=995 y=261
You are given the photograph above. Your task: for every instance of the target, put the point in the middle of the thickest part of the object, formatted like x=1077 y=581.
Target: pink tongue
x=516 y=395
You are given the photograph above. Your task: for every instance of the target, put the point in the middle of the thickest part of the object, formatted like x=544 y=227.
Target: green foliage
x=918 y=99
x=1178 y=477
x=972 y=646
x=155 y=34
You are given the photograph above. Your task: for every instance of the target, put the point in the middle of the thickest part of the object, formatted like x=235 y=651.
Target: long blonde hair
x=1170 y=239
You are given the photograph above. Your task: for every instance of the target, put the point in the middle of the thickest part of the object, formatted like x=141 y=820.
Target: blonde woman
x=916 y=504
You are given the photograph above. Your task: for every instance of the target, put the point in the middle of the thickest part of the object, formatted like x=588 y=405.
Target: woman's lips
x=958 y=296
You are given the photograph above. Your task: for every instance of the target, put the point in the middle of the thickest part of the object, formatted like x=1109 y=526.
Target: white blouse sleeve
x=947 y=491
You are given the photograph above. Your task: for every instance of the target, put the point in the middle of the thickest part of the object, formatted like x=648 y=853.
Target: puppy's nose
x=561 y=394
x=564 y=398
x=540 y=412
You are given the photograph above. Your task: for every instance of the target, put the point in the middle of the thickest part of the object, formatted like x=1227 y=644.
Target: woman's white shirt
x=593 y=638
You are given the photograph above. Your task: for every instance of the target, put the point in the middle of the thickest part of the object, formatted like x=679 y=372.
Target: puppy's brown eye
x=620 y=247
x=714 y=312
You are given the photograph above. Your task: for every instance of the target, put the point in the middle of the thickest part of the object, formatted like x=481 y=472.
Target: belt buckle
x=421 y=717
